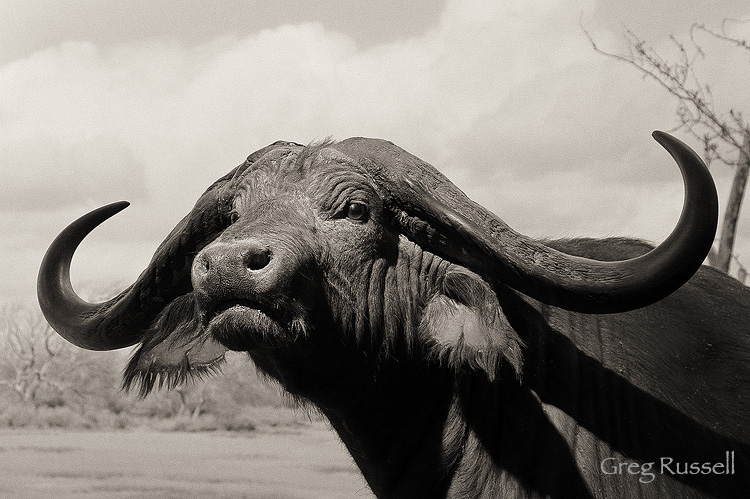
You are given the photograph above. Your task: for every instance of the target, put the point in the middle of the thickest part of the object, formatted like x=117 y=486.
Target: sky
x=150 y=102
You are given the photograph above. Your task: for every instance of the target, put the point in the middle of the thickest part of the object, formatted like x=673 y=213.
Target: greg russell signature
x=667 y=466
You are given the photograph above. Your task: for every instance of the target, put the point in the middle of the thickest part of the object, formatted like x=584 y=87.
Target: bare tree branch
x=723 y=134
x=723 y=36
x=695 y=109
x=34 y=358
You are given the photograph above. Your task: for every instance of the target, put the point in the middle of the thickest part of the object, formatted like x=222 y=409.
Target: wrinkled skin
x=440 y=379
x=335 y=275
x=336 y=280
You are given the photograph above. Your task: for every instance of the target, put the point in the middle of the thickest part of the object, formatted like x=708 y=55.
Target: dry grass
x=304 y=462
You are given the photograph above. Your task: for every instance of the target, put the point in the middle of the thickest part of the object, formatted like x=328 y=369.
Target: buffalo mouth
x=217 y=310
x=244 y=324
x=233 y=306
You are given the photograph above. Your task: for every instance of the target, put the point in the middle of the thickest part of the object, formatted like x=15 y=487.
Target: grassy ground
x=305 y=462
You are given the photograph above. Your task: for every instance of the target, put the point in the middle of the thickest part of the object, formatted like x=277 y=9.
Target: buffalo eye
x=233 y=217
x=357 y=211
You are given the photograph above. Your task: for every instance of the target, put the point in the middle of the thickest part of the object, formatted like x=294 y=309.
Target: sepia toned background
x=150 y=102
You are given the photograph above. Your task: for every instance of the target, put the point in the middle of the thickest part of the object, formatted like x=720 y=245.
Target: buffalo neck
x=416 y=429
x=391 y=415
x=424 y=431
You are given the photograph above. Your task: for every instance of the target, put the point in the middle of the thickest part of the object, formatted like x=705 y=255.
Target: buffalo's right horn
x=121 y=321
x=432 y=211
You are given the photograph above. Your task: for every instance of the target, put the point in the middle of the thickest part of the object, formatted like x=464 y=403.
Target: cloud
x=43 y=174
x=507 y=98
x=188 y=114
x=655 y=21
x=36 y=24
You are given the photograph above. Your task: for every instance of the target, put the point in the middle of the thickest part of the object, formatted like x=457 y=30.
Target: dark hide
x=667 y=380
x=442 y=382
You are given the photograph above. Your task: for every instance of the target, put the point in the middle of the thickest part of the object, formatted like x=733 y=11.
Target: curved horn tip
x=117 y=206
x=669 y=141
x=664 y=139
x=65 y=311
x=576 y=283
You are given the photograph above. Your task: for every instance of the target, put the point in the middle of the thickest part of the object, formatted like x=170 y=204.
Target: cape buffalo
x=453 y=356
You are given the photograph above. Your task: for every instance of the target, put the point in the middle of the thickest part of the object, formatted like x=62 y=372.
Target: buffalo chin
x=242 y=328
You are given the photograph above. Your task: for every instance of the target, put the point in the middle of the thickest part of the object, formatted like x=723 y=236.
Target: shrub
x=250 y=418
x=187 y=423
x=63 y=417
x=26 y=416
x=238 y=422
x=19 y=416
x=106 y=419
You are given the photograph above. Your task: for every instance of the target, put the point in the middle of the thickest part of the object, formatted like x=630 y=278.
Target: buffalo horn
x=441 y=218
x=122 y=320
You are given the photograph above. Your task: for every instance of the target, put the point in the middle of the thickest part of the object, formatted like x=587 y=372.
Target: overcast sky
x=151 y=101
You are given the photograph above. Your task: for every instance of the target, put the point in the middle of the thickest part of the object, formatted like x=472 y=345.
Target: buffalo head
x=346 y=253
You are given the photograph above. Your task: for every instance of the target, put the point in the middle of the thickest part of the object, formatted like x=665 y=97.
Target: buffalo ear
x=463 y=326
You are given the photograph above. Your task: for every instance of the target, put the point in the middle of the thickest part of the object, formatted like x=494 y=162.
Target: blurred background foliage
x=46 y=382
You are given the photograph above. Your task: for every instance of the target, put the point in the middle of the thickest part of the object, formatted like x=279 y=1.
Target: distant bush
x=64 y=417
x=185 y=423
x=247 y=419
x=45 y=382
x=19 y=416
x=26 y=416
x=239 y=422
x=115 y=421
x=269 y=417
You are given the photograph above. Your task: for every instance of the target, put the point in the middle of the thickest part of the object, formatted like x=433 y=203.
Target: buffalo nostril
x=203 y=264
x=257 y=259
